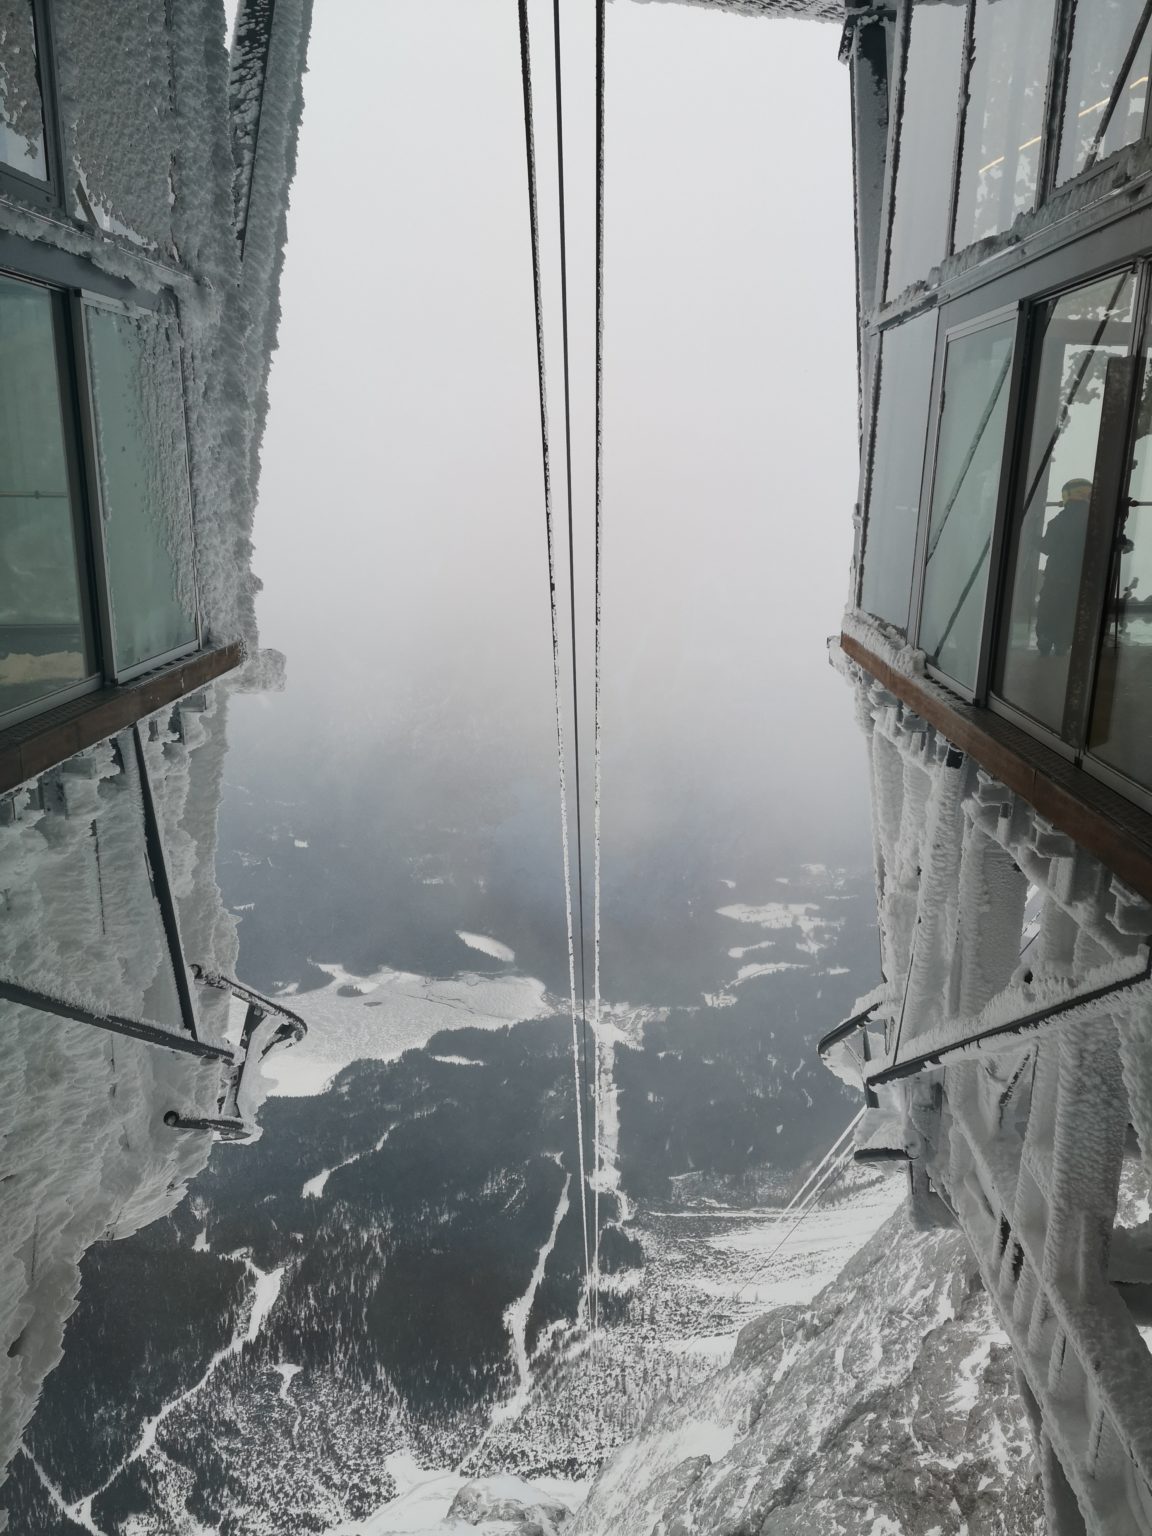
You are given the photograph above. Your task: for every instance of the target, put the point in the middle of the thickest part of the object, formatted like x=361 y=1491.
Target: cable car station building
x=144 y=174
x=999 y=641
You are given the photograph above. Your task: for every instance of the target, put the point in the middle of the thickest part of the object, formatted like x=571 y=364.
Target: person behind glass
x=1062 y=544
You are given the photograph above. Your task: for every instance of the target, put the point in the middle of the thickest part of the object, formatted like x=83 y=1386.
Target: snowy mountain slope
x=886 y=1406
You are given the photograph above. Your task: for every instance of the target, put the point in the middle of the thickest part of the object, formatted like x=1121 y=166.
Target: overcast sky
x=400 y=533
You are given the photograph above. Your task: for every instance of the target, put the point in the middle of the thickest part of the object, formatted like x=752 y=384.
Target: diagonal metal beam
x=43 y=1002
x=158 y=864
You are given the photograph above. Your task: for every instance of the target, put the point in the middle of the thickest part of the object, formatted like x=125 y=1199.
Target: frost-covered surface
x=886 y=1405
x=1016 y=990
x=84 y=1152
x=816 y=10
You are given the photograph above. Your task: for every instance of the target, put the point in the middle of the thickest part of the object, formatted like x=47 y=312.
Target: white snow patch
x=392 y=1012
x=516 y=1318
x=200 y=1244
x=486 y=945
x=775 y=914
x=286 y=1373
x=423 y=1498
x=765 y=968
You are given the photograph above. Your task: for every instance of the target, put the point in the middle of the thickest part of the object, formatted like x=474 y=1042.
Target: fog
x=400 y=532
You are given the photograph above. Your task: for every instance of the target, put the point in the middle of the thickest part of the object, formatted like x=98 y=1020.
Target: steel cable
x=534 y=220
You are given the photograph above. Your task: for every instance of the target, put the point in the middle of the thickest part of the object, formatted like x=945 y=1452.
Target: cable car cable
x=534 y=222
x=596 y=731
x=571 y=527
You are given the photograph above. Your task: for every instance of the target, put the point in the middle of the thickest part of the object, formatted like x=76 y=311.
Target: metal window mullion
x=966 y=61
x=1055 y=100
x=1009 y=472
x=95 y=498
x=182 y=369
x=50 y=102
x=1033 y=314
x=892 y=164
x=867 y=463
x=928 y=464
x=66 y=383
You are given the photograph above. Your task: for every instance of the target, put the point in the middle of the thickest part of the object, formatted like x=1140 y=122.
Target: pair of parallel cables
x=579 y=1024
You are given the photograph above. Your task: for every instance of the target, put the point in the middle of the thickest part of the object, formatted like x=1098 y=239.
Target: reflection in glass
x=1078 y=333
x=1121 y=732
x=43 y=644
x=964 y=493
x=141 y=450
x=21 y=107
x=1104 y=110
x=919 y=235
x=897 y=463
x=1004 y=121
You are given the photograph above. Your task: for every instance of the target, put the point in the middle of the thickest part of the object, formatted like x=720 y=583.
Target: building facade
x=145 y=161
x=999 y=642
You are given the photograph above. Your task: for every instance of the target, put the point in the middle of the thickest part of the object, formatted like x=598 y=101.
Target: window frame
x=1072 y=750
x=868 y=464
x=903 y=38
x=1056 y=105
x=73 y=283
x=1124 y=241
x=81 y=532
x=47 y=195
x=1014 y=311
x=81 y=301
x=1098 y=210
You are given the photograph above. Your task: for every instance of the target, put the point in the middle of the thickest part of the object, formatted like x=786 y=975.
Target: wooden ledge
x=1101 y=821
x=43 y=741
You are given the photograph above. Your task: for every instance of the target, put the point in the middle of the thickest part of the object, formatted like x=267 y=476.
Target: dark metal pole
x=158 y=864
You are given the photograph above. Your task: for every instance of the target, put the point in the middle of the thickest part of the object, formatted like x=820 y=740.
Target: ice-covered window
x=1107 y=85
x=1077 y=334
x=145 y=514
x=966 y=486
x=22 y=138
x=44 y=638
x=934 y=47
x=1004 y=119
x=897 y=462
x=114 y=70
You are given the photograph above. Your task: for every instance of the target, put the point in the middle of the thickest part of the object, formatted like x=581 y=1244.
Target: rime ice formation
x=887 y=1405
x=1007 y=1057
x=84 y=1151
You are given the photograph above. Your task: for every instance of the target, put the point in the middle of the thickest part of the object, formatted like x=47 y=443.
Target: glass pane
x=967 y=483
x=1121 y=733
x=1078 y=333
x=43 y=645
x=897 y=462
x=140 y=447
x=1095 y=124
x=21 y=109
x=124 y=163
x=1004 y=121
x=919 y=238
